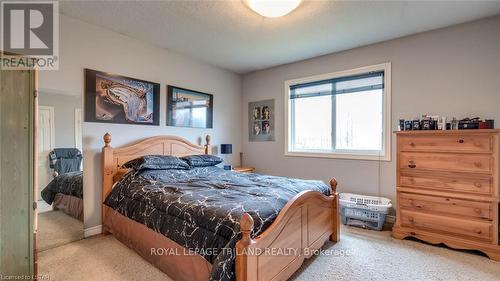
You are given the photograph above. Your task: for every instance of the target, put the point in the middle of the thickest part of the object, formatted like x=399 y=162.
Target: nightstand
x=244 y=169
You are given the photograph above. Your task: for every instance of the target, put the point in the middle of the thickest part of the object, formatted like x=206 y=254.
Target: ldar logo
x=30 y=35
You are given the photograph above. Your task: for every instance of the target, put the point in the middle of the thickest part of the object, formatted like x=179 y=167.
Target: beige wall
x=452 y=72
x=87 y=46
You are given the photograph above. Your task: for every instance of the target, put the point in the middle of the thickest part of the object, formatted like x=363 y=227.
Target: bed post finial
x=207 y=145
x=107 y=139
x=108 y=171
x=333 y=185
x=246 y=227
x=335 y=236
x=243 y=249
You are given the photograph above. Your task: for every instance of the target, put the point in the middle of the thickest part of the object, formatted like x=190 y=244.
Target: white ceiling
x=227 y=34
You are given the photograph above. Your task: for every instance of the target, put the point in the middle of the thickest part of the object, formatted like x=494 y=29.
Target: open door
x=18 y=170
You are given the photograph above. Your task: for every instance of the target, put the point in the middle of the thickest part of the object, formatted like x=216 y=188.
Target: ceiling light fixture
x=272 y=8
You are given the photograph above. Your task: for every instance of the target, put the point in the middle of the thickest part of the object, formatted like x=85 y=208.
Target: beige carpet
x=361 y=255
x=55 y=228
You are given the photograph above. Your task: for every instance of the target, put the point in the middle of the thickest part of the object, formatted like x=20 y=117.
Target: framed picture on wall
x=111 y=98
x=188 y=108
x=261 y=120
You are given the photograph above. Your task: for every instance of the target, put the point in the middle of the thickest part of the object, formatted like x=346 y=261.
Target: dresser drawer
x=474 y=163
x=449 y=143
x=472 y=184
x=446 y=206
x=447 y=225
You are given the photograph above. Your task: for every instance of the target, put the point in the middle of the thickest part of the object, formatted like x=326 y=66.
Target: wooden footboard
x=302 y=227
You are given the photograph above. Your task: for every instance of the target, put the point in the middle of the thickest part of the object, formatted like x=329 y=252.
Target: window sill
x=338 y=156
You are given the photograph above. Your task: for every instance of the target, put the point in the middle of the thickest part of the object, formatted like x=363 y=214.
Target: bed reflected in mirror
x=60 y=176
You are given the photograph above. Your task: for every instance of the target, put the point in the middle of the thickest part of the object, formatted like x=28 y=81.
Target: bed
x=65 y=193
x=263 y=245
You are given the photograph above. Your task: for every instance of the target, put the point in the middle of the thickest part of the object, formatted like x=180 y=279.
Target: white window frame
x=384 y=155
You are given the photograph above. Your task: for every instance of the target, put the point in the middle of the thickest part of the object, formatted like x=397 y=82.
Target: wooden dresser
x=447 y=188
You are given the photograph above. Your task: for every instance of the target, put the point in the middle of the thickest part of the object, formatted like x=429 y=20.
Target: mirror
x=60 y=173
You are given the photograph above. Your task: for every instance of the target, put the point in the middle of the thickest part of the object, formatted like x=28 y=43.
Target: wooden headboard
x=113 y=158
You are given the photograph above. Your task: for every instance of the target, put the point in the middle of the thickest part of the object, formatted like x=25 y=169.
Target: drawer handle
x=477 y=210
x=411 y=220
x=461 y=141
x=412 y=144
x=478 y=185
x=478 y=231
x=478 y=164
x=412 y=165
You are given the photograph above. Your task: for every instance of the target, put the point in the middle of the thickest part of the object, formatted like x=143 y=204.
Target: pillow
x=203 y=160
x=156 y=162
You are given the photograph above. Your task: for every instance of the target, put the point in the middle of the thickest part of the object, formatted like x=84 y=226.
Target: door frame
x=78 y=132
x=34 y=173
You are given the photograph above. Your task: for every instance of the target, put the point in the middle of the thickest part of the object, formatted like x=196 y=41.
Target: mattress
x=200 y=209
x=69 y=184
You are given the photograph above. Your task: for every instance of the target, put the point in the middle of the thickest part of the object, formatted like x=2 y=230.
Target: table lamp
x=226 y=149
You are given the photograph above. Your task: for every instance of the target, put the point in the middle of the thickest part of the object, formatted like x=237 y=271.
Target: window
x=340 y=115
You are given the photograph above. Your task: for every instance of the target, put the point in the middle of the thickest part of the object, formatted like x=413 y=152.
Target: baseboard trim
x=91 y=231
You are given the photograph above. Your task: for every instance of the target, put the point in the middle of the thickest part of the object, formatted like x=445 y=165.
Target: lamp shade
x=226 y=148
x=272 y=8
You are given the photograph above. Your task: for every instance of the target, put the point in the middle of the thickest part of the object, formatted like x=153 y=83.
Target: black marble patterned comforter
x=200 y=208
x=69 y=183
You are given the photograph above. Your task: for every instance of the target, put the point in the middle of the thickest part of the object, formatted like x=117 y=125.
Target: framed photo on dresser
x=188 y=108
x=111 y=98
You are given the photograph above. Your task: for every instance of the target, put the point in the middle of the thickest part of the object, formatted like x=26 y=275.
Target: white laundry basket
x=365 y=211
